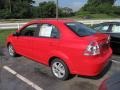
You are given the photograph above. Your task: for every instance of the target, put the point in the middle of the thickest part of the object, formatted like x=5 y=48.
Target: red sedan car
x=68 y=47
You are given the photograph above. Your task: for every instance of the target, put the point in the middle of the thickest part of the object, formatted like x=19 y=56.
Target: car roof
x=52 y=20
x=110 y=23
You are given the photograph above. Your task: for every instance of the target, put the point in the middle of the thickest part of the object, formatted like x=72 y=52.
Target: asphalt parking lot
x=21 y=73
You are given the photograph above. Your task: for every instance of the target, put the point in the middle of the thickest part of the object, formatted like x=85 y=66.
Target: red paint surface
x=69 y=48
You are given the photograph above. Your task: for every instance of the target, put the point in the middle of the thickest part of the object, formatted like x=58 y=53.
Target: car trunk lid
x=102 y=40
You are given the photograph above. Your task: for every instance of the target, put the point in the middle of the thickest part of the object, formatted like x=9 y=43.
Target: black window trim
x=37 y=24
x=73 y=30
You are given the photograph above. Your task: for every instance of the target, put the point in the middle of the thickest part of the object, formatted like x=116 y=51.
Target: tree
x=16 y=8
x=26 y=9
x=99 y=6
x=21 y=8
x=97 y=2
x=66 y=11
x=47 y=9
x=4 y=4
x=1 y=4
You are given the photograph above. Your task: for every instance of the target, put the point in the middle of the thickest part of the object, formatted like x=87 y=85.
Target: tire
x=59 y=69
x=11 y=51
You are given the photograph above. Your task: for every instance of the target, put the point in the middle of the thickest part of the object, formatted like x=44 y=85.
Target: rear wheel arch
x=51 y=59
x=66 y=61
x=59 y=55
x=55 y=57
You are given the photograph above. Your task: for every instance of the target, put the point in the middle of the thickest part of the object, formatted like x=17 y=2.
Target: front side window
x=48 y=30
x=29 y=30
x=80 y=29
x=116 y=29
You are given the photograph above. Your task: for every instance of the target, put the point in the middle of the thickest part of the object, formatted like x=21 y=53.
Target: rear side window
x=80 y=29
x=48 y=30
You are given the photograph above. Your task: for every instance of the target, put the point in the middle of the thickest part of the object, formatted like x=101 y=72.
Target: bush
x=94 y=8
x=5 y=14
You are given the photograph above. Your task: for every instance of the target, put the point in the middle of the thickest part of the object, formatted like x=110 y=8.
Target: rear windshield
x=80 y=29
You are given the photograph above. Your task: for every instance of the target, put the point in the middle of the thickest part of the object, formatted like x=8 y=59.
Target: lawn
x=94 y=16
x=3 y=36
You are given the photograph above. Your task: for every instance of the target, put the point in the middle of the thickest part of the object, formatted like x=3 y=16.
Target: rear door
x=47 y=41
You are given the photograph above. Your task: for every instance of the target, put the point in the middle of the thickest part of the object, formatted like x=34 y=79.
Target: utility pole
x=10 y=5
x=57 y=12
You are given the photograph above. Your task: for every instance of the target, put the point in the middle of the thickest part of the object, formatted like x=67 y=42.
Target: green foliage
x=66 y=12
x=21 y=8
x=3 y=36
x=5 y=14
x=116 y=10
x=15 y=8
x=94 y=7
x=25 y=9
x=98 y=2
x=47 y=9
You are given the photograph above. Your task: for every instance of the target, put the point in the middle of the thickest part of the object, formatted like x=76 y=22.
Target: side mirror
x=16 y=34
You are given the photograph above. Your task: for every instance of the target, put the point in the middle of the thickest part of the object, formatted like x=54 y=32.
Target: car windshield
x=80 y=29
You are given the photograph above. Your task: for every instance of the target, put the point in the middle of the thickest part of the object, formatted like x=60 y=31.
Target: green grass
x=3 y=36
x=95 y=16
x=104 y=16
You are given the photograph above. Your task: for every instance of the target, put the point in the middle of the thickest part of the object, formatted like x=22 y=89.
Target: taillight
x=92 y=49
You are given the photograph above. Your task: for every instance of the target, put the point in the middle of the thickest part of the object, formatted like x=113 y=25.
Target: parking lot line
x=33 y=85
x=115 y=61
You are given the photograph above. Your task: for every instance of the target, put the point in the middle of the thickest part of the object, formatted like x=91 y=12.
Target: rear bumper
x=93 y=66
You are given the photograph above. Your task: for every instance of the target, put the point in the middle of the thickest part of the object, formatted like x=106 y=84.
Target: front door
x=24 y=43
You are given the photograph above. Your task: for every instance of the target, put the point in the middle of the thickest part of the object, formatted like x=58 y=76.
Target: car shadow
x=116 y=50
x=102 y=74
x=1 y=51
x=116 y=53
